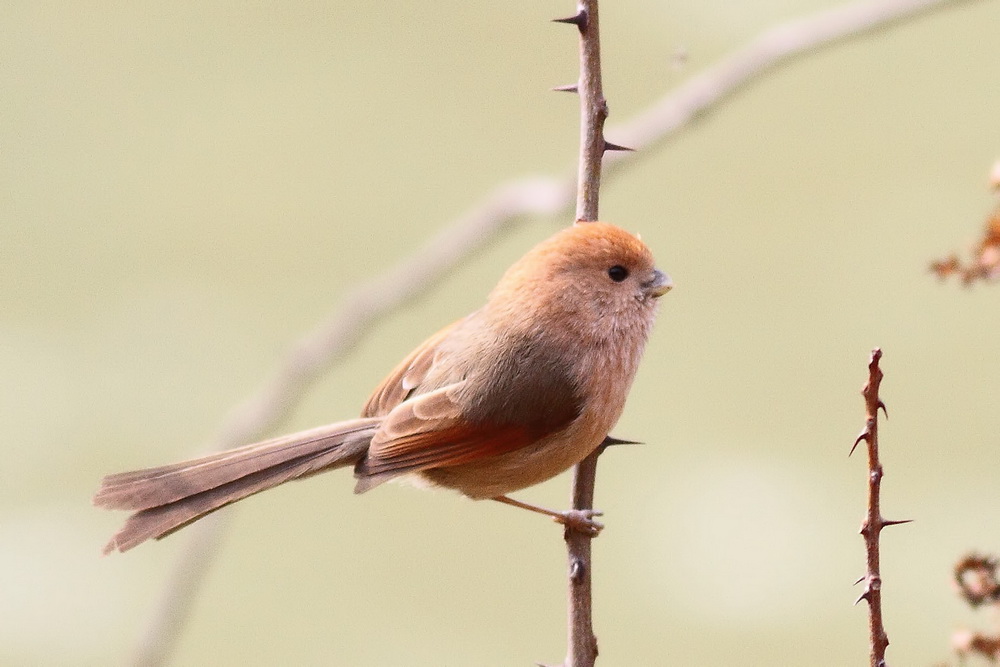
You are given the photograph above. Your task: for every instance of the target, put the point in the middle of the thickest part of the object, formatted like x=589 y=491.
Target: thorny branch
x=873 y=523
x=492 y=216
x=581 y=648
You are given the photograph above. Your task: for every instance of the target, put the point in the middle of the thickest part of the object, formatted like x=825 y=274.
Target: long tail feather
x=170 y=497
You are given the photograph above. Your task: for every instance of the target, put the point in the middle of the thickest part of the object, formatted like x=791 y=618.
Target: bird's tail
x=170 y=497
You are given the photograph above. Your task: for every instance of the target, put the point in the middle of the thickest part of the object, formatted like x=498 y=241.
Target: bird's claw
x=582 y=521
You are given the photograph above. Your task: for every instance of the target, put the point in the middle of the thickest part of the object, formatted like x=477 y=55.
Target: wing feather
x=530 y=394
x=430 y=431
x=406 y=376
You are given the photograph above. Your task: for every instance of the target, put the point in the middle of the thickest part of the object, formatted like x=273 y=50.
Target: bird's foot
x=582 y=521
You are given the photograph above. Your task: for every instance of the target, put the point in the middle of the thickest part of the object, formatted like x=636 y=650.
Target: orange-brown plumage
x=505 y=398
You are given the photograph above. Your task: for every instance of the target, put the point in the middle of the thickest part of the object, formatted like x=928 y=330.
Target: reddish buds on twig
x=968 y=643
x=984 y=261
x=976 y=581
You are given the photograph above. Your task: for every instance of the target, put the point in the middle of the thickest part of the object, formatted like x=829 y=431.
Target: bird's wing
x=406 y=376
x=429 y=431
x=524 y=395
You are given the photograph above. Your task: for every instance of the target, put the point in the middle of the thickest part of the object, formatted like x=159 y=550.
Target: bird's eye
x=618 y=273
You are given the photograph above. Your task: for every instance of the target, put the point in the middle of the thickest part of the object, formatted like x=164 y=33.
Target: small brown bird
x=510 y=396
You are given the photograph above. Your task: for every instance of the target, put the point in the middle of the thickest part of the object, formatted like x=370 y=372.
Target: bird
x=507 y=397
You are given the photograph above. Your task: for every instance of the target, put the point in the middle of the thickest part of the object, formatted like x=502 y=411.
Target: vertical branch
x=593 y=113
x=873 y=523
x=582 y=643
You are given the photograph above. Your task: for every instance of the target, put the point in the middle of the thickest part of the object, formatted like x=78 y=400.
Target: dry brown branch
x=334 y=339
x=873 y=523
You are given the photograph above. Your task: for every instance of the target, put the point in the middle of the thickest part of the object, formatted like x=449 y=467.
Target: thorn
x=867 y=594
x=568 y=88
x=865 y=434
x=579 y=20
x=608 y=146
x=859 y=581
x=886 y=522
x=612 y=440
x=882 y=406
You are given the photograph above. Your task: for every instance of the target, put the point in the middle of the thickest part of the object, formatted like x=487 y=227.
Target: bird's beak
x=658 y=285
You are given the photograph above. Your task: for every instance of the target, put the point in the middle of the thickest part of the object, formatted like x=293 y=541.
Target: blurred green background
x=189 y=186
